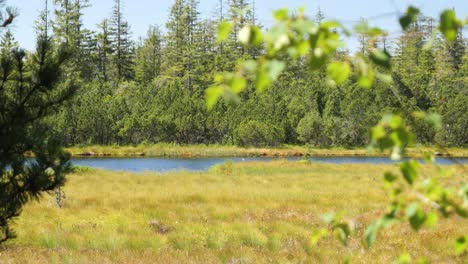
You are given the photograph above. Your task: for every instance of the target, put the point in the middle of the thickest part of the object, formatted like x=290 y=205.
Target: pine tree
x=24 y=103
x=8 y=42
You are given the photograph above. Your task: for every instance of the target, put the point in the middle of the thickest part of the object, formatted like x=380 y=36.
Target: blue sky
x=142 y=13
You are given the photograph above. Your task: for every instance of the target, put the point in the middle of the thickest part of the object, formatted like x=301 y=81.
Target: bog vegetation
x=235 y=213
x=152 y=90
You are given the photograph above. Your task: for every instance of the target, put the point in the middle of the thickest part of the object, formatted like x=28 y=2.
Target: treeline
x=152 y=90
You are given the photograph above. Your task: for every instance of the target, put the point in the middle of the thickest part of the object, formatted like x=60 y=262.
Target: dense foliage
x=153 y=90
x=31 y=160
x=414 y=198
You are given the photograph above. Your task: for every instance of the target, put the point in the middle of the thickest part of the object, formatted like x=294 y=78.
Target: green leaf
x=449 y=25
x=303 y=47
x=409 y=17
x=343 y=231
x=318 y=59
x=375 y=32
x=268 y=73
x=250 y=35
x=224 y=29
x=281 y=14
x=329 y=218
x=461 y=245
x=396 y=122
x=381 y=58
x=238 y=84
x=404 y=259
x=371 y=232
x=244 y=35
x=409 y=169
x=305 y=27
x=431 y=219
x=318 y=235
x=388 y=221
x=250 y=66
x=422 y=260
x=212 y=95
x=377 y=132
x=282 y=41
x=330 y=24
x=262 y=81
x=389 y=177
x=257 y=36
x=415 y=216
x=396 y=151
x=366 y=74
x=339 y=71
x=275 y=68
x=366 y=80
x=364 y=29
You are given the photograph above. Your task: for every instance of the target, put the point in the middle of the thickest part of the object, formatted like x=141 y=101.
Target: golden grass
x=239 y=213
x=175 y=150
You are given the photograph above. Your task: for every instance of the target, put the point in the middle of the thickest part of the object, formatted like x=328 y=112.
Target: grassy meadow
x=239 y=213
x=175 y=150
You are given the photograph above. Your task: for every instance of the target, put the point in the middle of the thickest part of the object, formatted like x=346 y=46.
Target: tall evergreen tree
x=122 y=46
x=104 y=50
x=149 y=56
x=457 y=50
x=62 y=26
x=240 y=13
x=181 y=41
x=41 y=25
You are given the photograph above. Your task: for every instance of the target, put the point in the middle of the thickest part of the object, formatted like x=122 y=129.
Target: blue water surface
x=203 y=164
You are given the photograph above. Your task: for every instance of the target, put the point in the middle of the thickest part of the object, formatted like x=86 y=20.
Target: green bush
x=259 y=134
x=310 y=128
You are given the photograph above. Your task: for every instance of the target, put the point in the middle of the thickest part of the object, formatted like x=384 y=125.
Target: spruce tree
x=240 y=14
x=122 y=46
x=41 y=25
x=182 y=41
x=456 y=51
x=148 y=56
x=62 y=25
x=104 y=50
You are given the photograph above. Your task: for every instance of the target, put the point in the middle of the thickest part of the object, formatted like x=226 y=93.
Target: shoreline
x=208 y=151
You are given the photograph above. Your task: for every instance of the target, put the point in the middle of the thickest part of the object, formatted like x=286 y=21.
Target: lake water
x=203 y=164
